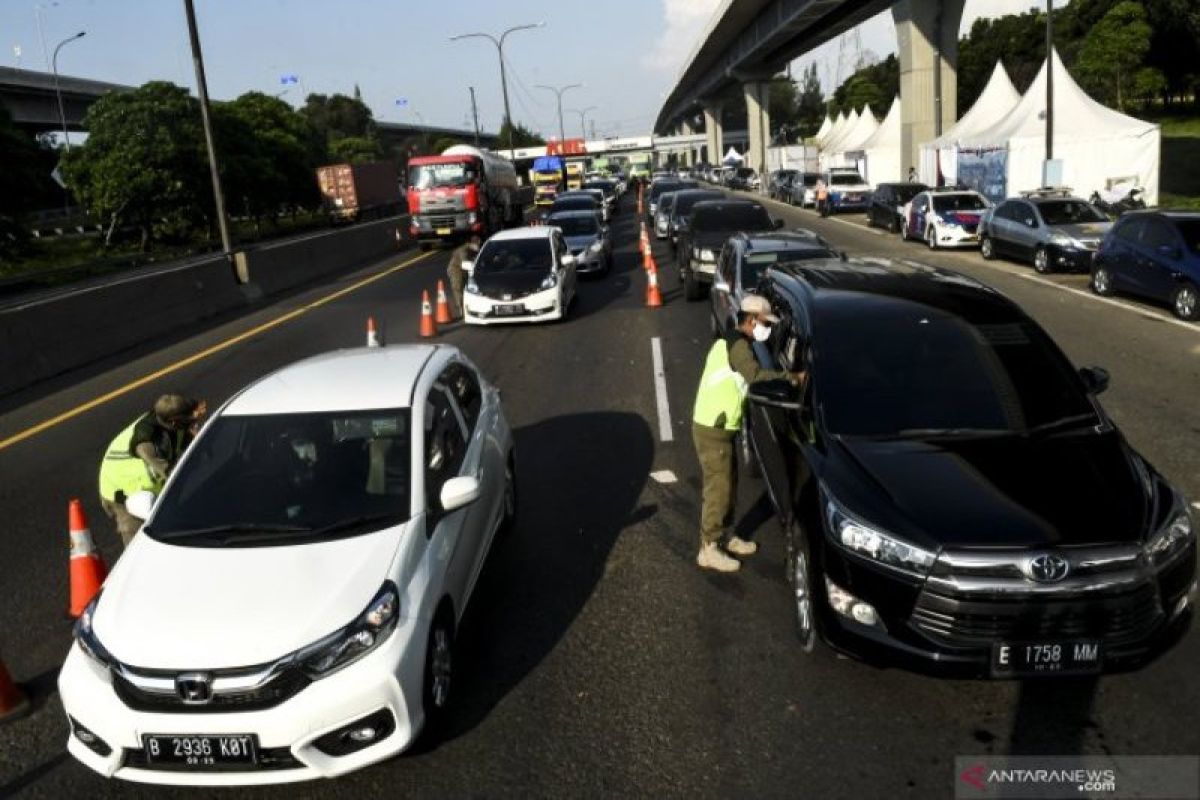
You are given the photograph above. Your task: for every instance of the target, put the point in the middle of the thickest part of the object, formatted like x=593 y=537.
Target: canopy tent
x=997 y=99
x=732 y=158
x=834 y=143
x=883 y=162
x=835 y=130
x=1098 y=147
x=823 y=131
x=847 y=152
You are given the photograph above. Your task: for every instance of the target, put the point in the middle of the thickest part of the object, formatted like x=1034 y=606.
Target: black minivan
x=887 y=204
x=954 y=497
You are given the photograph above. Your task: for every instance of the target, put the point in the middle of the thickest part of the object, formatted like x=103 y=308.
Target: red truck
x=352 y=192
x=465 y=190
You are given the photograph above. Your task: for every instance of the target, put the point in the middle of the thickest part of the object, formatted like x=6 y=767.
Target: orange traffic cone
x=647 y=259
x=13 y=702
x=428 y=326
x=372 y=336
x=653 y=295
x=87 y=568
x=443 y=307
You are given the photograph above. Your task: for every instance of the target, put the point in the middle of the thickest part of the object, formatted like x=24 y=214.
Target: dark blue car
x=1155 y=254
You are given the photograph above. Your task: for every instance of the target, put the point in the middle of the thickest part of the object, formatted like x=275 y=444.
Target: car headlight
x=549 y=282
x=472 y=287
x=1062 y=240
x=596 y=246
x=1171 y=539
x=472 y=218
x=883 y=548
x=354 y=641
x=89 y=643
x=703 y=254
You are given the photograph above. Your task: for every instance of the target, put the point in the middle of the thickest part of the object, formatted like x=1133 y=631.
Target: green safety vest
x=123 y=470
x=722 y=391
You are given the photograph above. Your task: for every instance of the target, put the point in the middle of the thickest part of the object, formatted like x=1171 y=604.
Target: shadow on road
x=1053 y=716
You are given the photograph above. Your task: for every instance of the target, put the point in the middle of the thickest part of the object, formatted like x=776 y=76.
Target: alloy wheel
x=1187 y=305
x=802 y=592
x=441 y=663
x=1101 y=281
x=1041 y=260
x=931 y=238
x=985 y=248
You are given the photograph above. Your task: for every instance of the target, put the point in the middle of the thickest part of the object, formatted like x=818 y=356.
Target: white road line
x=1140 y=311
x=660 y=391
x=856 y=225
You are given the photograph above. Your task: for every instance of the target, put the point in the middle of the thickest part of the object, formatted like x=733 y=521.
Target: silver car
x=587 y=238
x=1053 y=230
x=662 y=215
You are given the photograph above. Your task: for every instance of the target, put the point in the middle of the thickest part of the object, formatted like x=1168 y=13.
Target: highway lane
x=596 y=659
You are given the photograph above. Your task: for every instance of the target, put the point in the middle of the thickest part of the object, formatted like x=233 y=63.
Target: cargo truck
x=548 y=180
x=350 y=192
x=575 y=175
x=465 y=190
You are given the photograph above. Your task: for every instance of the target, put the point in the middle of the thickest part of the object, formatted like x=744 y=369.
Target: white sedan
x=520 y=275
x=288 y=610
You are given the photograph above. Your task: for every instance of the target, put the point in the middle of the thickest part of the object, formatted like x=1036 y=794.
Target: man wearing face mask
x=143 y=455
x=454 y=271
x=728 y=372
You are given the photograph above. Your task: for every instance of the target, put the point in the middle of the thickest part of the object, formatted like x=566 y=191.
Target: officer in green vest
x=142 y=456
x=728 y=372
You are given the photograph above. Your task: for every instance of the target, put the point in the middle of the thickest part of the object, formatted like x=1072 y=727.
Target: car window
x=445 y=444
x=1069 y=212
x=958 y=202
x=1157 y=233
x=575 y=225
x=1129 y=229
x=506 y=256
x=1189 y=229
x=920 y=203
x=464 y=385
x=740 y=217
x=728 y=258
x=1005 y=211
x=906 y=191
x=755 y=264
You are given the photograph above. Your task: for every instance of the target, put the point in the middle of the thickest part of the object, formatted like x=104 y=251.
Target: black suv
x=954 y=497
x=887 y=204
x=712 y=222
x=681 y=211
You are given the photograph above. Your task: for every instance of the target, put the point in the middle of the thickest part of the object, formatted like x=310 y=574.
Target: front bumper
x=955 y=236
x=851 y=203
x=542 y=306
x=444 y=226
x=703 y=270
x=388 y=679
x=1073 y=258
x=588 y=261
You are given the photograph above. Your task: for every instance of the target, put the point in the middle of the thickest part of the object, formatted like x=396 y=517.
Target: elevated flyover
x=748 y=42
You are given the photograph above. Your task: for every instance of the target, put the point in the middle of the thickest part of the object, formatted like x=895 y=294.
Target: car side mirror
x=776 y=393
x=778 y=224
x=459 y=492
x=719 y=284
x=568 y=260
x=467 y=266
x=1095 y=379
x=140 y=504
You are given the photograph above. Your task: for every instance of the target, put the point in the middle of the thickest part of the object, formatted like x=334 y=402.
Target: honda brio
x=288 y=609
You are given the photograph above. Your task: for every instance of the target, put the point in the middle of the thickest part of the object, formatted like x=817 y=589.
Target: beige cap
x=759 y=307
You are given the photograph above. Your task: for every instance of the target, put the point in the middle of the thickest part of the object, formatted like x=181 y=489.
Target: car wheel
x=1186 y=302
x=799 y=575
x=931 y=238
x=691 y=286
x=1101 y=281
x=439 y=670
x=894 y=226
x=1041 y=261
x=870 y=220
x=986 y=248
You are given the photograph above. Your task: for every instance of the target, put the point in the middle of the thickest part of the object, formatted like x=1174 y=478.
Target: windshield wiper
x=363 y=521
x=1067 y=423
x=213 y=531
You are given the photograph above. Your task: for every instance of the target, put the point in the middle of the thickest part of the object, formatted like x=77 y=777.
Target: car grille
x=442 y=221
x=269 y=758
x=971 y=227
x=1090 y=244
x=286 y=684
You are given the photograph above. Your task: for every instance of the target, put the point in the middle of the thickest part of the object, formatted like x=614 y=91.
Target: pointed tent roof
x=823 y=131
x=998 y=98
x=834 y=143
x=1076 y=115
x=835 y=130
x=732 y=157
x=883 y=148
x=863 y=129
x=888 y=132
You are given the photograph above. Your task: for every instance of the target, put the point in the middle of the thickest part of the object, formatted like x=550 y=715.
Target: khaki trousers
x=718 y=470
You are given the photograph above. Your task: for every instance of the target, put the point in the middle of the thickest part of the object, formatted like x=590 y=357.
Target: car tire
x=931 y=237
x=1101 y=282
x=692 y=291
x=870 y=220
x=1041 y=261
x=1185 y=302
x=439 y=672
x=986 y=248
x=894 y=225
x=798 y=563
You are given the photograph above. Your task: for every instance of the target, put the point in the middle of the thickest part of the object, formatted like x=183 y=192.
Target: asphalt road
x=596 y=659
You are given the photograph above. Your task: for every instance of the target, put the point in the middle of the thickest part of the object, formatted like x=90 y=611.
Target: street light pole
x=562 y=134
x=62 y=114
x=512 y=155
x=1049 y=83
x=214 y=167
x=582 y=112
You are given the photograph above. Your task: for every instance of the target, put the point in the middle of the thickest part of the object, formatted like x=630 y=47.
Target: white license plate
x=201 y=750
x=511 y=310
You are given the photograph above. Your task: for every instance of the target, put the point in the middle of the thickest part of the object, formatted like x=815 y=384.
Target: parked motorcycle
x=1118 y=206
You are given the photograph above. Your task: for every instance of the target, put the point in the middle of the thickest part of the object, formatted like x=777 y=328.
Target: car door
x=452 y=534
x=998 y=227
x=1027 y=230
x=566 y=272
x=1157 y=262
x=725 y=299
x=916 y=215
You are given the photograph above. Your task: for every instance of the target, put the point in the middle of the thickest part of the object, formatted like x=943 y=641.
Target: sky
x=627 y=53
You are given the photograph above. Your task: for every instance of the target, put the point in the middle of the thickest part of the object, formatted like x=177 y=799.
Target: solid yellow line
x=203 y=354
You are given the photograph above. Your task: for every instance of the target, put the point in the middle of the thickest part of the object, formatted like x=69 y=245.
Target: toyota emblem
x=1048 y=568
x=194 y=688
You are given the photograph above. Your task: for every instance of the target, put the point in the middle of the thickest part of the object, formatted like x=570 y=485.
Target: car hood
x=1067 y=489
x=713 y=240
x=513 y=284
x=856 y=188
x=171 y=607
x=577 y=243
x=962 y=217
x=1084 y=230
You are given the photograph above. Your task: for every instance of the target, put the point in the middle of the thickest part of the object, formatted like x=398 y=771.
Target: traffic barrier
x=653 y=294
x=13 y=702
x=372 y=336
x=442 y=317
x=428 y=326
x=87 y=568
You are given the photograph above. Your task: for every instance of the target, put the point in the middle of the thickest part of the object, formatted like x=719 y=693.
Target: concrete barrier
x=50 y=336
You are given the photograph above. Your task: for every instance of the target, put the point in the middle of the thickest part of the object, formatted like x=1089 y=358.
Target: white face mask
x=761 y=332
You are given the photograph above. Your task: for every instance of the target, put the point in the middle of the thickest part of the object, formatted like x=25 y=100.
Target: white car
x=288 y=610
x=520 y=275
x=945 y=217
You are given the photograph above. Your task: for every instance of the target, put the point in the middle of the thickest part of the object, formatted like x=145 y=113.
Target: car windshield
x=683 y=203
x=1189 y=229
x=659 y=187
x=907 y=191
x=285 y=478
x=916 y=368
x=604 y=186
x=575 y=226
x=958 y=202
x=506 y=256
x=666 y=203
x=575 y=203
x=755 y=264
x=435 y=176
x=845 y=179
x=1069 y=212
x=810 y=179
x=731 y=218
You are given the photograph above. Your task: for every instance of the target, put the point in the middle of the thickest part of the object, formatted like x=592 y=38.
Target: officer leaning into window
x=728 y=372
x=143 y=454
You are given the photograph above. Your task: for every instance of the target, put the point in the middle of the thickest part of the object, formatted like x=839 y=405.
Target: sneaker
x=740 y=547
x=714 y=558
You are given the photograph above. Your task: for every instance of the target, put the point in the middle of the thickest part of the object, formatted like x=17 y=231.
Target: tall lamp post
x=558 y=90
x=62 y=114
x=213 y=165
x=503 y=78
x=582 y=112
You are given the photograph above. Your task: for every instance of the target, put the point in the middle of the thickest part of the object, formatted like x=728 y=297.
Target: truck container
x=465 y=190
x=352 y=192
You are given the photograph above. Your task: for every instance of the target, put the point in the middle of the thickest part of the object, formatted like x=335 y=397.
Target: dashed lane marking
x=660 y=391
x=203 y=354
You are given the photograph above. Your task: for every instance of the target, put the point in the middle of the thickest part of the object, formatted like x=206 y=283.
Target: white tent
x=834 y=143
x=733 y=158
x=848 y=151
x=883 y=162
x=823 y=131
x=834 y=130
x=997 y=99
x=1098 y=146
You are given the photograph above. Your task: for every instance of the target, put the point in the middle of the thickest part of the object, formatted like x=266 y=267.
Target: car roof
x=581 y=213
x=343 y=380
x=776 y=241
x=728 y=201
x=1177 y=214
x=528 y=232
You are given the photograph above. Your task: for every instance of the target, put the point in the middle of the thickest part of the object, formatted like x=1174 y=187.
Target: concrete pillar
x=926 y=33
x=712 y=132
x=758 y=126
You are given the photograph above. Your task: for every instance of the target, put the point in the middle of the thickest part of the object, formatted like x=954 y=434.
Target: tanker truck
x=465 y=190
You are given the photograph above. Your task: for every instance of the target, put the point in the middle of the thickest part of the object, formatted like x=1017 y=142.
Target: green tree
x=443 y=143
x=281 y=149
x=810 y=107
x=143 y=161
x=874 y=84
x=1113 y=51
x=1148 y=84
x=522 y=136
x=783 y=100
x=338 y=116
x=19 y=159
x=1019 y=40
x=355 y=150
